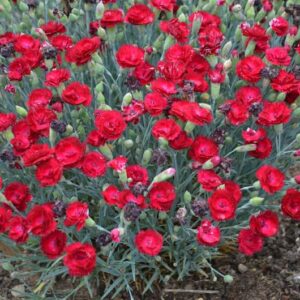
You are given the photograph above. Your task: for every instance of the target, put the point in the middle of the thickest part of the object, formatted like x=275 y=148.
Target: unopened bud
x=128 y=144
x=21 y=111
x=227 y=65
x=105 y=150
x=89 y=222
x=147 y=155
x=256 y=201
x=246 y=148
x=256 y=185
x=228 y=279
x=226 y=49
x=165 y=175
x=99 y=10
x=163 y=143
x=189 y=127
x=211 y=163
x=296 y=112
x=187 y=197
x=127 y=99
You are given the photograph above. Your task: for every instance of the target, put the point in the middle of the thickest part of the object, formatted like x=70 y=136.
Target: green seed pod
x=89 y=222
x=69 y=130
x=21 y=111
x=189 y=127
x=246 y=148
x=187 y=197
x=128 y=144
x=256 y=201
x=100 y=98
x=147 y=155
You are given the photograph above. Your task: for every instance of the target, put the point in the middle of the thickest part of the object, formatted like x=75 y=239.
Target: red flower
x=274 y=113
x=144 y=73
x=222 y=205
x=173 y=71
x=266 y=223
x=162 y=196
x=80 y=259
x=249 y=242
x=129 y=56
x=280 y=26
x=197 y=79
x=285 y=82
x=127 y=196
x=233 y=189
x=18 y=68
x=82 y=51
x=49 y=173
x=111 y=196
x=110 y=124
x=290 y=204
x=95 y=139
x=270 y=178
x=155 y=104
x=6 y=120
x=167 y=129
x=52 y=28
x=56 y=77
x=210 y=39
x=26 y=43
x=203 y=149
x=5 y=217
x=61 y=42
x=41 y=219
x=112 y=17
x=149 y=242
x=209 y=180
x=53 y=244
x=18 y=229
x=163 y=86
x=248 y=95
x=139 y=14
x=263 y=149
x=76 y=214
x=69 y=152
x=238 y=113
x=182 y=141
x=278 y=56
x=207 y=19
x=164 y=4
x=133 y=111
x=36 y=154
x=250 y=68
x=118 y=164
x=77 y=93
x=208 y=234
x=18 y=194
x=93 y=164
x=39 y=97
x=185 y=54
x=39 y=120
x=137 y=174
x=179 y=30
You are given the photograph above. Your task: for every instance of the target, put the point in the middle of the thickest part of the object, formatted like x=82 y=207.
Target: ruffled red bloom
x=263 y=149
x=274 y=113
x=6 y=120
x=41 y=220
x=133 y=111
x=18 y=194
x=182 y=53
x=49 y=173
x=155 y=104
x=112 y=17
x=233 y=189
x=52 y=28
x=270 y=178
x=130 y=56
x=238 y=113
x=80 y=259
x=83 y=50
x=208 y=234
x=18 y=68
x=95 y=139
x=25 y=43
x=137 y=174
x=5 y=217
x=111 y=196
x=207 y=19
x=53 y=244
x=265 y=223
x=222 y=205
x=126 y=196
x=56 y=77
x=203 y=149
x=61 y=42
x=290 y=204
x=93 y=164
x=173 y=71
x=118 y=164
x=179 y=30
x=249 y=242
x=110 y=124
x=69 y=152
x=167 y=129
x=280 y=26
x=139 y=14
x=285 y=82
x=39 y=120
x=168 y=5
x=209 y=180
x=76 y=214
x=149 y=242
x=77 y=93
x=278 y=56
x=144 y=73
x=163 y=86
x=18 y=229
x=200 y=85
x=210 y=39
x=39 y=97
x=248 y=95
x=182 y=141
x=250 y=68
x=162 y=196
x=36 y=154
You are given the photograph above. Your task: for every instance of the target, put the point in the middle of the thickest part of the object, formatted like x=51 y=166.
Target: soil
x=273 y=274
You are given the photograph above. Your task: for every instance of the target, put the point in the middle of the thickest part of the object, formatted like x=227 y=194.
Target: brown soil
x=273 y=274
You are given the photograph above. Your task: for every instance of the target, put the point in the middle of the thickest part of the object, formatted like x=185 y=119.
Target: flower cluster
x=140 y=129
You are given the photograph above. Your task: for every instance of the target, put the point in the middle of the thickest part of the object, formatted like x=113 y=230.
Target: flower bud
x=278 y=129
x=99 y=10
x=250 y=48
x=256 y=201
x=246 y=148
x=69 y=129
x=296 y=112
x=256 y=185
x=211 y=163
x=187 y=197
x=8 y=135
x=127 y=99
x=89 y=222
x=22 y=6
x=182 y=18
x=105 y=150
x=228 y=279
x=227 y=65
x=21 y=111
x=215 y=90
x=163 y=143
x=164 y=175
x=168 y=42
x=162 y=215
x=226 y=49
x=147 y=155
x=128 y=144
x=189 y=127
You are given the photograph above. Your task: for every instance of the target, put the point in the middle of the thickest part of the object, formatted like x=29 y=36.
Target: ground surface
x=273 y=274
